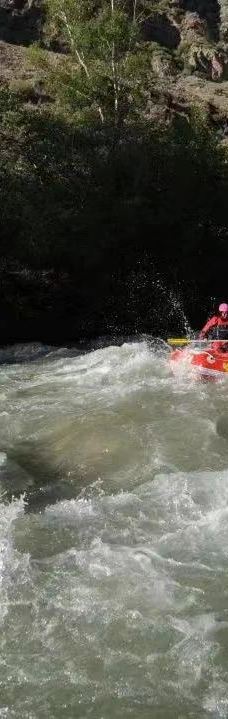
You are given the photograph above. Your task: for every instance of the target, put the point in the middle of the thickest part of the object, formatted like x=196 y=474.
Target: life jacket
x=219 y=329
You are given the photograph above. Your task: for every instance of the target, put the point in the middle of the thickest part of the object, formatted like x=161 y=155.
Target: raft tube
x=207 y=363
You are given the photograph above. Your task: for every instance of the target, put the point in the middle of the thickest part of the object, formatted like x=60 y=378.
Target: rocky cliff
x=189 y=39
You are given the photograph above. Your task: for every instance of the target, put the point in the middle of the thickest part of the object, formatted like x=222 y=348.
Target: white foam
x=9 y=558
x=123 y=594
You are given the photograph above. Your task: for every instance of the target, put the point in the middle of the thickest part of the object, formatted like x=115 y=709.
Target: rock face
x=207 y=10
x=189 y=42
x=193 y=27
x=20 y=21
x=172 y=23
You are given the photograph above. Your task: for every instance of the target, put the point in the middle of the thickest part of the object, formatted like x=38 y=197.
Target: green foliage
x=9 y=105
x=89 y=185
x=107 y=73
x=74 y=193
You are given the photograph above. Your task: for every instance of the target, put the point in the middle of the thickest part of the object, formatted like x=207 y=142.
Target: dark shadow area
x=20 y=21
x=160 y=29
x=101 y=229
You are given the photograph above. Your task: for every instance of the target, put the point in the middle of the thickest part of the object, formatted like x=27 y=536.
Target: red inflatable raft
x=209 y=362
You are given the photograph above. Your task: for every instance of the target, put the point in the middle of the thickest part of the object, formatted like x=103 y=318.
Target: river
x=113 y=538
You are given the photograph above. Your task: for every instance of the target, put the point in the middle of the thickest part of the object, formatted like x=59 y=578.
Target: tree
x=106 y=75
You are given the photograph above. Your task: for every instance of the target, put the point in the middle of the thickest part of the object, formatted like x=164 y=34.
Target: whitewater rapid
x=113 y=537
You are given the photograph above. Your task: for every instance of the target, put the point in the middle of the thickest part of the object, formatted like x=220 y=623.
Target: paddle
x=178 y=341
x=186 y=341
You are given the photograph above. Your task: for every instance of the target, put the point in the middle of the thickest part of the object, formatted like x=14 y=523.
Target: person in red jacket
x=219 y=320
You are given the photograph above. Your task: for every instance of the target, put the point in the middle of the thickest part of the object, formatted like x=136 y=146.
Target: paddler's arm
x=212 y=322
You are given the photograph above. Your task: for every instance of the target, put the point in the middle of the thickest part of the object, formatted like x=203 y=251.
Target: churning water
x=113 y=539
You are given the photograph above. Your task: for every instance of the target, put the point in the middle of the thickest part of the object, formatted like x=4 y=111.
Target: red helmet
x=223 y=308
